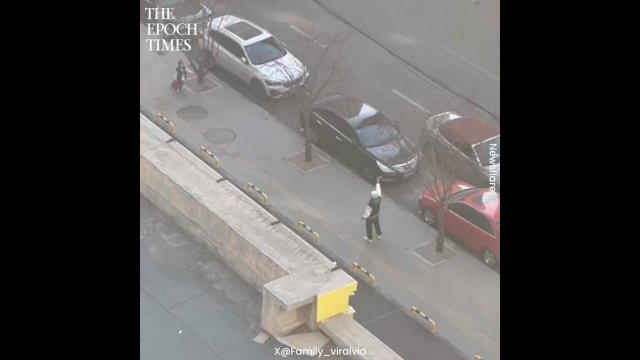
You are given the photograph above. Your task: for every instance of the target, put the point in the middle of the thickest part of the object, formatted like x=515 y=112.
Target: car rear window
x=485 y=198
x=265 y=51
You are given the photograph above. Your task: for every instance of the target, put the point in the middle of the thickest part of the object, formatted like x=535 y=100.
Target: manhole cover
x=219 y=136
x=192 y=113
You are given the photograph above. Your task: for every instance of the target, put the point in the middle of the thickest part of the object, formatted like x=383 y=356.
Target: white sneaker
x=379 y=237
x=367 y=239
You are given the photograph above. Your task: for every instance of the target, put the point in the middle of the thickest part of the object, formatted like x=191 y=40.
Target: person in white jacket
x=372 y=213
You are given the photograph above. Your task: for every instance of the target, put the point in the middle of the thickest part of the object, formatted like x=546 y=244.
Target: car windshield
x=485 y=198
x=488 y=152
x=376 y=131
x=265 y=51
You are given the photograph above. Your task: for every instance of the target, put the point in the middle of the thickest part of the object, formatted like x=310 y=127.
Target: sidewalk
x=462 y=295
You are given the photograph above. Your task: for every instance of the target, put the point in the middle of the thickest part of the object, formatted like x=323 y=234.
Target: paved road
x=455 y=41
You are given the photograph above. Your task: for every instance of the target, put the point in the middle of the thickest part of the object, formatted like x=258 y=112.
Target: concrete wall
x=221 y=216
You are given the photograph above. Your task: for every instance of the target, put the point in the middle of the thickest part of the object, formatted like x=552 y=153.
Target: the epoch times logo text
x=163 y=30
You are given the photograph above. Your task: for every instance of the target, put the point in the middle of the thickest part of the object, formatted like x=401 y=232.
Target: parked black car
x=362 y=136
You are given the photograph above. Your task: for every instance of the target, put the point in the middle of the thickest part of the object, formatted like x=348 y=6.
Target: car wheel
x=258 y=89
x=429 y=217
x=489 y=258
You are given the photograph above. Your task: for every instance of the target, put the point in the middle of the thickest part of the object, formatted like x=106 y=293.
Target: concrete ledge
x=152 y=131
x=347 y=333
x=150 y=135
x=220 y=215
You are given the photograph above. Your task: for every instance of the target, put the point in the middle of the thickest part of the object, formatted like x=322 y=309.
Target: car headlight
x=414 y=161
x=384 y=168
x=269 y=82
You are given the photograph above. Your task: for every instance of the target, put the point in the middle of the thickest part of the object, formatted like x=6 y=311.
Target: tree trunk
x=201 y=74
x=307 y=141
x=440 y=237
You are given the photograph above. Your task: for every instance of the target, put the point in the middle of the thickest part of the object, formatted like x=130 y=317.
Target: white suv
x=255 y=56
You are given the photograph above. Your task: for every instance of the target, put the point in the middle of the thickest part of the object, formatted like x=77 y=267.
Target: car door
x=319 y=123
x=458 y=223
x=335 y=140
x=242 y=69
x=229 y=55
x=342 y=140
x=484 y=234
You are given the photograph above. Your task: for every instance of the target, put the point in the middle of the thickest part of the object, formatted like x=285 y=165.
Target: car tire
x=489 y=258
x=429 y=217
x=258 y=89
x=368 y=173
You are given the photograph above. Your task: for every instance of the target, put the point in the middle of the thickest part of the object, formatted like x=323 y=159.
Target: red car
x=472 y=216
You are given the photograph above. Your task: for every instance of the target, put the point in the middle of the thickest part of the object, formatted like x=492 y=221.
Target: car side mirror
x=244 y=60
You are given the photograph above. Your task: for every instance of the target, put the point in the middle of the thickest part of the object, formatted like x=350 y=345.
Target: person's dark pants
x=376 y=222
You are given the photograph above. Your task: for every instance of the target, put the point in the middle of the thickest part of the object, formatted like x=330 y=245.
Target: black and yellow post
x=162 y=118
x=265 y=198
x=414 y=310
x=204 y=150
x=372 y=279
x=301 y=225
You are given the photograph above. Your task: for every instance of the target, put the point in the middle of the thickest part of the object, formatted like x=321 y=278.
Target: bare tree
x=326 y=67
x=203 y=54
x=437 y=173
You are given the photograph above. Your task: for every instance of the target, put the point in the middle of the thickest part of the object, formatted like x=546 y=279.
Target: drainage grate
x=220 y=136
x=428 y=253
x=192 y=113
